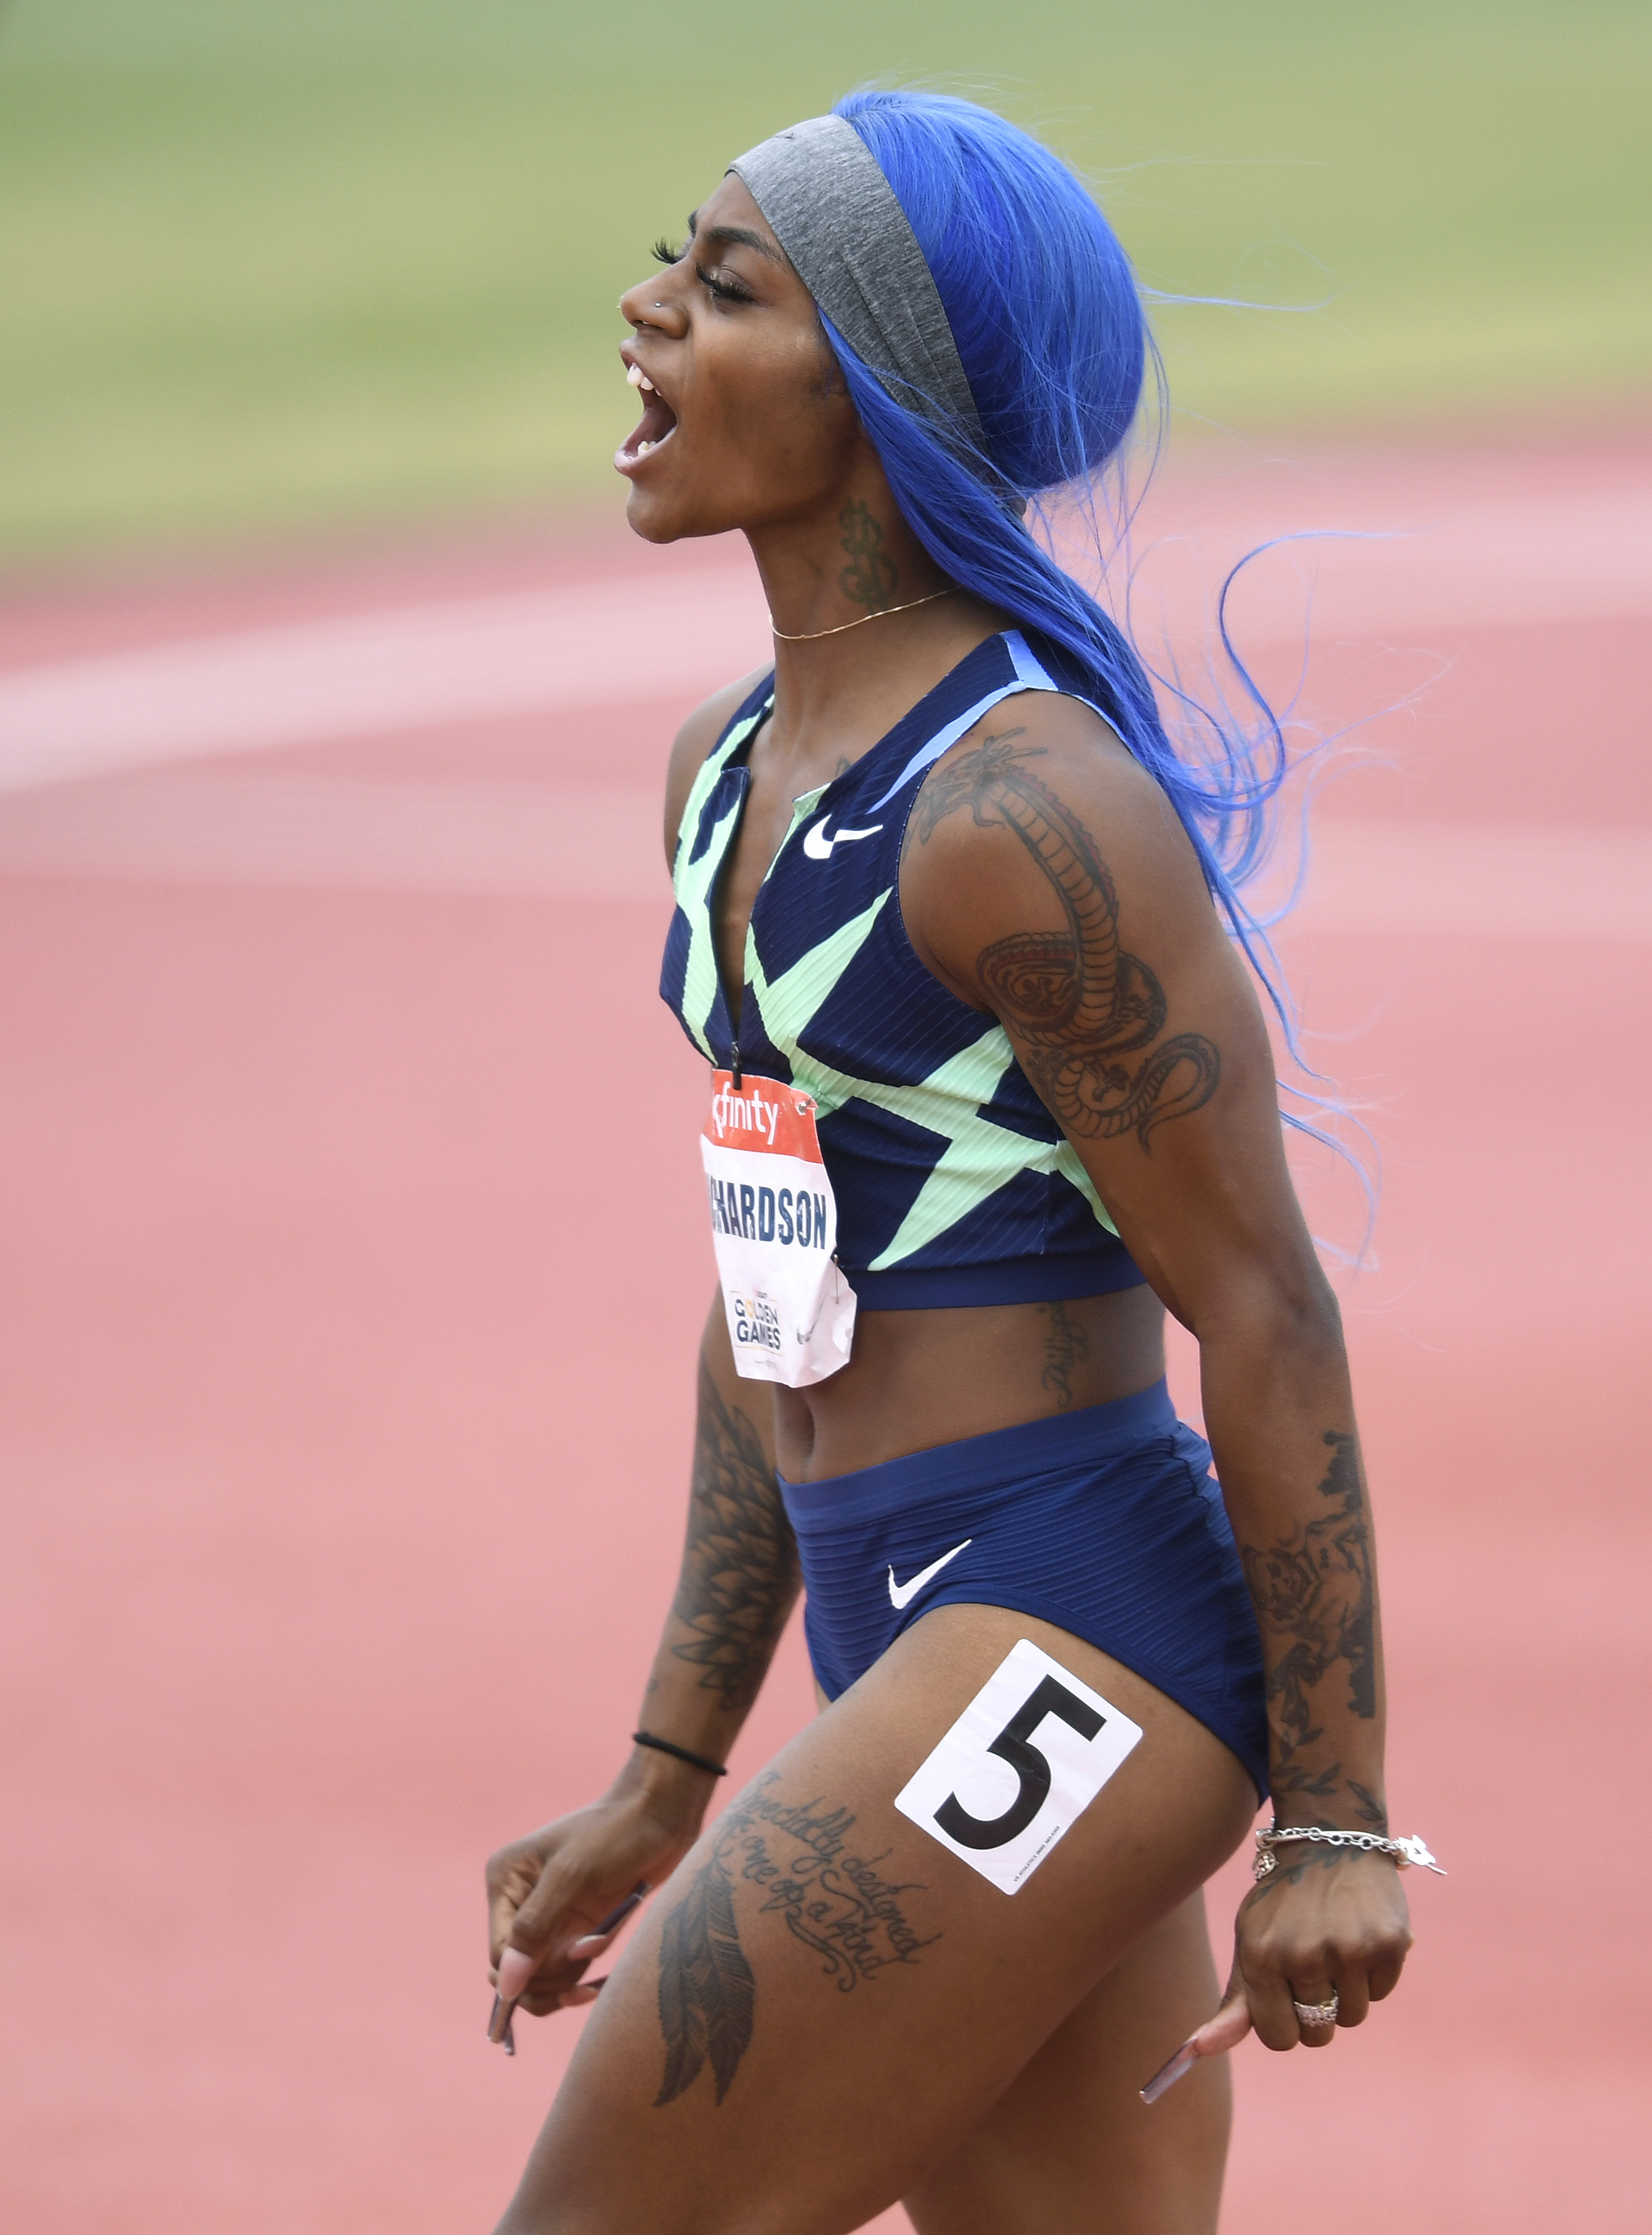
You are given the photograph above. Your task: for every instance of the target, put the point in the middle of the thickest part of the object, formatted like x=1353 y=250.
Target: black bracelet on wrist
x=665 y=1746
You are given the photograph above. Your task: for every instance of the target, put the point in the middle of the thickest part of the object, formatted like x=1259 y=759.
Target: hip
x=1105 y=1521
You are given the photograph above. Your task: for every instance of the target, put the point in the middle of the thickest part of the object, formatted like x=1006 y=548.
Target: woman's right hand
x=547 y=1893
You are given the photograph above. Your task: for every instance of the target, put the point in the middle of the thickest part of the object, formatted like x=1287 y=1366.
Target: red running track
x=353 y=1267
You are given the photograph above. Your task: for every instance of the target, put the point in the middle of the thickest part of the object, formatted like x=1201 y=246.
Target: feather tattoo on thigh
x=707 y=1994
x=836 y=1902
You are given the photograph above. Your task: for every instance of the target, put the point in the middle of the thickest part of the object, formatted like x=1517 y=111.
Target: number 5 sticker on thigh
x=1018 y=1767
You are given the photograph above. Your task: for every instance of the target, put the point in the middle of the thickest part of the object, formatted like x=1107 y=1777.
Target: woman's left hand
x=1334 y=1926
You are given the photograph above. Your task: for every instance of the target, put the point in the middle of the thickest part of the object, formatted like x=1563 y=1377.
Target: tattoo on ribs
x=836 y=1902
x=1075 y=1001
x=740 y=1563
x=871 y=576
x=1314 y=1597
x=1066 y=1346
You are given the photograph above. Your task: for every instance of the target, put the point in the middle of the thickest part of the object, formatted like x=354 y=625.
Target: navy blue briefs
x=1106 y=1522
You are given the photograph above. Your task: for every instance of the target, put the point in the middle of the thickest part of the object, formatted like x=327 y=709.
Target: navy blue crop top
x=955 y=1185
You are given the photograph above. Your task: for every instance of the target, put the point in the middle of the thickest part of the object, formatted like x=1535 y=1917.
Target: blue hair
x=1051 y=329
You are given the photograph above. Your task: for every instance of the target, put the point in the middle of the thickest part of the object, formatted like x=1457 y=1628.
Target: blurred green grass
x=358 y=260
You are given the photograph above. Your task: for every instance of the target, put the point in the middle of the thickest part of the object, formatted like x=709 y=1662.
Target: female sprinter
x=990 y=1092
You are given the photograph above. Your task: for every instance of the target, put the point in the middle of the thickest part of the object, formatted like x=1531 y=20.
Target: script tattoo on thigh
x=740 y=1563
x=800 y=1856
x=1315 y=1598
x=1075 y=1001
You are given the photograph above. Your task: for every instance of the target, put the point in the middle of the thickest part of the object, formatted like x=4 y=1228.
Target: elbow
x=1312 y=1322
x=1278 y=1308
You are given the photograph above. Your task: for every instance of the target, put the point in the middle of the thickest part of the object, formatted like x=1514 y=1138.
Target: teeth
x=638 y=378
x=641 y=447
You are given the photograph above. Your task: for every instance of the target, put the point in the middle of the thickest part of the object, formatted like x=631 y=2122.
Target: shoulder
x=1038 y=806
x=698 y=734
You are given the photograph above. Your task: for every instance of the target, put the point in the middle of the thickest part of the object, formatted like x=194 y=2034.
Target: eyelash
x=721 y=291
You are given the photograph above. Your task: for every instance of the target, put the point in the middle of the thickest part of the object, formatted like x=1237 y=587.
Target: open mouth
x=656 y=425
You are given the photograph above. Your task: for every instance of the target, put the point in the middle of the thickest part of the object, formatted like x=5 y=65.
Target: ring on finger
x=1318 y=2013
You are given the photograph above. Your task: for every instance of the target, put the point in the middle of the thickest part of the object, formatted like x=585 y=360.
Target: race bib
x=774 y=1227
x=1018 y=1767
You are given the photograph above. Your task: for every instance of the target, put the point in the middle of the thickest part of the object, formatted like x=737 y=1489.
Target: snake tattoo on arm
x=1076 y=1001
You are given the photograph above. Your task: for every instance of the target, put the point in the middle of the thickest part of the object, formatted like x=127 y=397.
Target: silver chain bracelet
x=1405 y=1851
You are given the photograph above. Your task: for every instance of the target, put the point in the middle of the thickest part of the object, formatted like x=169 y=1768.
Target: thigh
x=1071 y=2144
x=824 y=2000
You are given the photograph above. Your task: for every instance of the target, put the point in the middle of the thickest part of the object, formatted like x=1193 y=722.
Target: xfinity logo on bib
x=742 y=1113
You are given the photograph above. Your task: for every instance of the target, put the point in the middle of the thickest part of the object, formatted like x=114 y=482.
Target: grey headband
x=836 y=215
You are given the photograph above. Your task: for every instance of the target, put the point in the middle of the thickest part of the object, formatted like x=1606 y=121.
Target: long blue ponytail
x=1051 y=329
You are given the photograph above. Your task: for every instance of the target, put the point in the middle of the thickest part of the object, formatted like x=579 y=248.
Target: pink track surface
x=353 y=1264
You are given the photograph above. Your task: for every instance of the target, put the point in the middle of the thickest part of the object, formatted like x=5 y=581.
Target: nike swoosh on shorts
x=818 y=846
x=902 y=1594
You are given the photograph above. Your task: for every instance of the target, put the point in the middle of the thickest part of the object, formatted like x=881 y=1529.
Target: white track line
x=475 y=660
x=603 y=841
x=554 y=841
x=387 y=673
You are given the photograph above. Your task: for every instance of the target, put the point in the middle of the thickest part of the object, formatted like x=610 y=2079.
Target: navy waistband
x=1000 y=1459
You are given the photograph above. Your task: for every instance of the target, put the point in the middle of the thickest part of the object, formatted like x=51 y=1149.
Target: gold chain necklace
x=813 y=636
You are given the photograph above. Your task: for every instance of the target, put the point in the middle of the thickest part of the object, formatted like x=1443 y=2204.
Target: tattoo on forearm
x=1315 y=1599
x=1366 y=1807
x=871 y=576
x=1075 y=1001
x=1066 y=1345
x=838 y=1904
x=740 y=1563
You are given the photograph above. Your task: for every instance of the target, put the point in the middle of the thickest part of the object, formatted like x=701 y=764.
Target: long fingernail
x=499 y=2020
x=515 y=1970
x=1167 y=2075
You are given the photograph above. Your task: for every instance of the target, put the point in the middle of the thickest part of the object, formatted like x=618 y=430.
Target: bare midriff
x=919 y=1379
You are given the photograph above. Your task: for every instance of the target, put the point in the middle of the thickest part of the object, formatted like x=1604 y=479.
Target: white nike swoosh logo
x=902 y=1594
x=818 y=846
